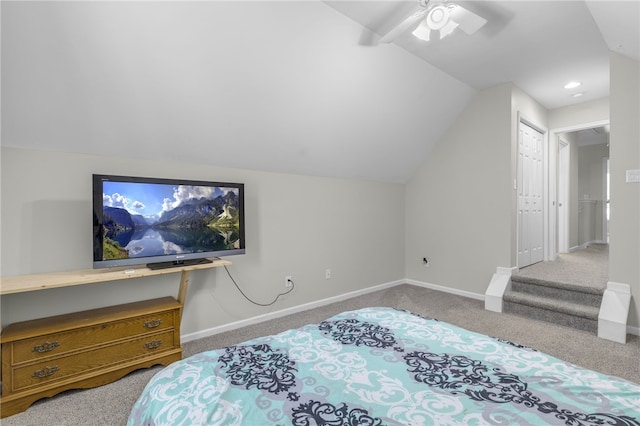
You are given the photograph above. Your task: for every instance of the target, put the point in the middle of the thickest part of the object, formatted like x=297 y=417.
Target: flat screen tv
x=165 y=222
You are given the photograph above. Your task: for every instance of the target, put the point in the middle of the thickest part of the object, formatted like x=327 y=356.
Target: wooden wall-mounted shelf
x=26 y=283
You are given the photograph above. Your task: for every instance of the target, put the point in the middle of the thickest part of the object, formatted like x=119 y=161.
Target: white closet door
x=529 y=186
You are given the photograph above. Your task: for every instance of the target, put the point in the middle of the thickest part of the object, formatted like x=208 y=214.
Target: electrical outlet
x=327 y=274
x=426 y=262
x=288 y=281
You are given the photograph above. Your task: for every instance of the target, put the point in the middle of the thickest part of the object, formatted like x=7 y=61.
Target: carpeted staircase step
x=558 y=291
x=551 y=316
x=558 y=284
x=568 y=305
x=567 y=308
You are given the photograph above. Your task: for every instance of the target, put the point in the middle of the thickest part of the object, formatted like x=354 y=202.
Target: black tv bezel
x=159 y=261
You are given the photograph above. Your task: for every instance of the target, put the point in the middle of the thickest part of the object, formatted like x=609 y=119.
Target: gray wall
x=461 y=202
x=624 y=255
x=296 y=225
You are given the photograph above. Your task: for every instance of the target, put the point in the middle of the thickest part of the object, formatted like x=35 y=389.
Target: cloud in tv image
x=150 y=219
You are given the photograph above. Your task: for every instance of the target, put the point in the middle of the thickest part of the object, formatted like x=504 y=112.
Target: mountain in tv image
x=196 y=225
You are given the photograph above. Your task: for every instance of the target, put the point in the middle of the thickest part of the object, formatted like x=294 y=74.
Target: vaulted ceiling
x=538 y=45
x=284 y=86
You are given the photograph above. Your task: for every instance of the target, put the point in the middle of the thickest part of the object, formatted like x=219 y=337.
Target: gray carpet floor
x=588 y=267
x=110 y=404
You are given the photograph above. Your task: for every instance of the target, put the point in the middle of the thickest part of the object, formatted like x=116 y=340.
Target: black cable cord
x=256 y=303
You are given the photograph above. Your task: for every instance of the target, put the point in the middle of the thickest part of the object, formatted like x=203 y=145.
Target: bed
x=382 y=366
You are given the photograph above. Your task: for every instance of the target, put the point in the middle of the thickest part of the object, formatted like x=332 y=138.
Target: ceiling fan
x=439 y=17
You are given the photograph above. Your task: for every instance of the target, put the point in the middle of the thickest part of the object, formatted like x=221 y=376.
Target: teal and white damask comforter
x=381 y=366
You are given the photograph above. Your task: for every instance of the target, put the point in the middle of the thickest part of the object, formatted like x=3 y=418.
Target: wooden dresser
x=46 y=356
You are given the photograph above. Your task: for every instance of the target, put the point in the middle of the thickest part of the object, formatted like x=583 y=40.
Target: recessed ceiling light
x=572 y=85
x=577 y=95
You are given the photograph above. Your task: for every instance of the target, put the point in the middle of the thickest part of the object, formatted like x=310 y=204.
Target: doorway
x=578 y=179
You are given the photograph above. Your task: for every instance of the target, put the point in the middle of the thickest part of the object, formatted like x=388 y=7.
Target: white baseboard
x=288 y=311
x=586 y=245
x=295 y=309
x=443 y=289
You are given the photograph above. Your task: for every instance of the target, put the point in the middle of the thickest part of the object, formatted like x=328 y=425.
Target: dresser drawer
x=59 y=343
x=55 y=369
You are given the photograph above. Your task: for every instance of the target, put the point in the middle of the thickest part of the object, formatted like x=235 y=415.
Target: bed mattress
x=382 y=366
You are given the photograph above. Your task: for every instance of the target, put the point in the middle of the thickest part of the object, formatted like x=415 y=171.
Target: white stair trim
x=499 y=284
x=614 y=311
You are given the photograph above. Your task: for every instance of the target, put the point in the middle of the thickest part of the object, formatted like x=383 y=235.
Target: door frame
x=563 y=170
x=606 y=195
x=551 y=233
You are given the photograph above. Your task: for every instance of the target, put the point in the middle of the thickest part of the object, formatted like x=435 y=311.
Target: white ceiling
x=595 y=136
x=284 y=86
x=538 y=45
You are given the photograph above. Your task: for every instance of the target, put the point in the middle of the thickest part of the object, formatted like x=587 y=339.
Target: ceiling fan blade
x=468 y=21
x=403 y=26
x=448 y=28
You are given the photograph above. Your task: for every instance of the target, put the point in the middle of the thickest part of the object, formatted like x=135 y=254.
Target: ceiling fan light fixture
x=422 y=31
x=443 y=16
x=437 y=17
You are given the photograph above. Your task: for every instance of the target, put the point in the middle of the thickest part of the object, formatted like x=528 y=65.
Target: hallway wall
x=624 y=255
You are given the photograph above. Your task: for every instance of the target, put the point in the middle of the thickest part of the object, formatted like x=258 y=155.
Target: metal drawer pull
x=153 y=323
x=153 y=344
x=45 y=372
x=45 y=347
